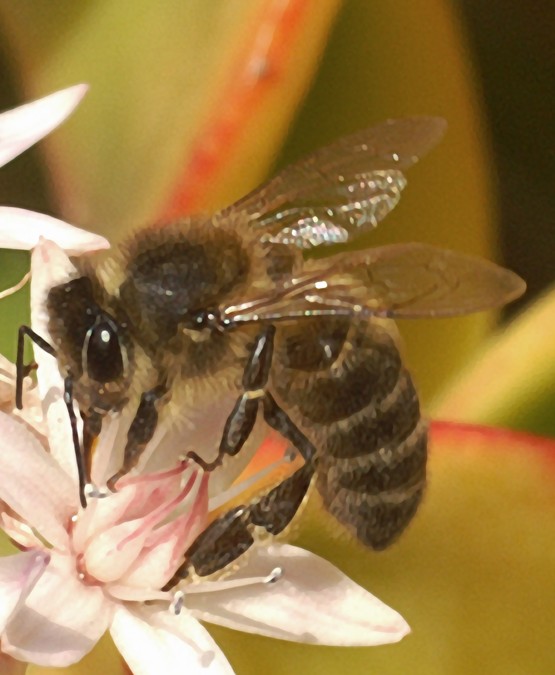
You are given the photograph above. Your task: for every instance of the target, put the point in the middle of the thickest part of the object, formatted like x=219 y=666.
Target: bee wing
x=397 y=281
x=343 y=189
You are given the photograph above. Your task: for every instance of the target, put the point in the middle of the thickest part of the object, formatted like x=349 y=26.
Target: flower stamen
x=209 y=586
x=10 y=291
x=238 y=488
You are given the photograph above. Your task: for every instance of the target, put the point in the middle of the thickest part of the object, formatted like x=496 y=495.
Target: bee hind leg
x=232 y=534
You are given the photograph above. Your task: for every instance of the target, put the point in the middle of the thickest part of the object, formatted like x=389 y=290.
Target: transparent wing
x=343 y=189
x=397 y=281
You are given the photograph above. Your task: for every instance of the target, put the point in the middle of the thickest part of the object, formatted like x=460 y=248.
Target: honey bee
x=233 y=312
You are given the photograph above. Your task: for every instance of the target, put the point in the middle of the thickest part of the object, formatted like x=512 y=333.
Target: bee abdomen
x=376 y=494
x=363 y=414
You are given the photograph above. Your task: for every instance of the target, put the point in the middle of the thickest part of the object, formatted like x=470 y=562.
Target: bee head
x=93 y=343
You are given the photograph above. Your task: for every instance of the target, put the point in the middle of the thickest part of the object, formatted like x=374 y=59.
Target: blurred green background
x=193 y=103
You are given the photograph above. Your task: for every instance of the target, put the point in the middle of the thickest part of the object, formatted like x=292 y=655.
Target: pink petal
x=157 y=563
x=50 y=266
x=113 y=552
x=154 y=642
x=312 y=602
x=110 y=554
x=32 y=483
x=22 y=229
x=22 y=127
x=18 y=574
x=100 y=515
x=61 y=619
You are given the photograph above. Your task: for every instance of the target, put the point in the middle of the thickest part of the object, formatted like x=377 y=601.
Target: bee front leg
x=241 y=421
x=141 y=431
x=23 y=370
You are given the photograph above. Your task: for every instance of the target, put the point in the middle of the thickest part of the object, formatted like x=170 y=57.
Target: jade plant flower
x=83 y=571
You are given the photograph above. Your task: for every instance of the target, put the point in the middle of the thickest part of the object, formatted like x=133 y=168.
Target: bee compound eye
x=103 y=355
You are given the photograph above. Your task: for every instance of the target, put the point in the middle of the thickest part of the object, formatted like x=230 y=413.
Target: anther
x=92 y=492
x=275 y=575
x=177 y=603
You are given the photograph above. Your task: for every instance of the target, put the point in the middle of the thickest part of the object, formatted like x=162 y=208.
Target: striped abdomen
x=345 y=386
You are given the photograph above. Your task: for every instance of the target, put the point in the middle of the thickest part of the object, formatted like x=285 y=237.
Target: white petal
x=60 y=621
x=32 y=484
x=20 y=533
x=51 y=266
x=22 y=127
x=99 y=516
x=154 y=642
x=18 y=574
x=109 y=555
x=312 y=602
x=31 y=413
x=21 y=229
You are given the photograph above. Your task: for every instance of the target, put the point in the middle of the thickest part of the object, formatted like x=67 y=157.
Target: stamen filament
x=225 y=585
x=235 y=490
x=162 y=511
x=10 y=291
x=151 y=477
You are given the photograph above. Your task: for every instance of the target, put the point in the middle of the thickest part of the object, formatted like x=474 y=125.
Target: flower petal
x=22 y=127
x=61 y=619
x=50 y=266
x=21 y=229
x=18 y=574
x=157 y=563
x=20 y=532
x=312 y=602
x=32 y=483
x=7 y=381
x=32 y=412
x=154 y=642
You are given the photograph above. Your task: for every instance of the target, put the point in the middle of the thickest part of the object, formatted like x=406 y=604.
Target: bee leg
x=22 y=370
x=279 y=420
x=224 y=540
x=229 y=536
x=141 y=431
x=241 y=421
x=79 y=459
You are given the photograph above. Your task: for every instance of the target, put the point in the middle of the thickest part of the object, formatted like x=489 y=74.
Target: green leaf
x=158 y=73
x=511 y=382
